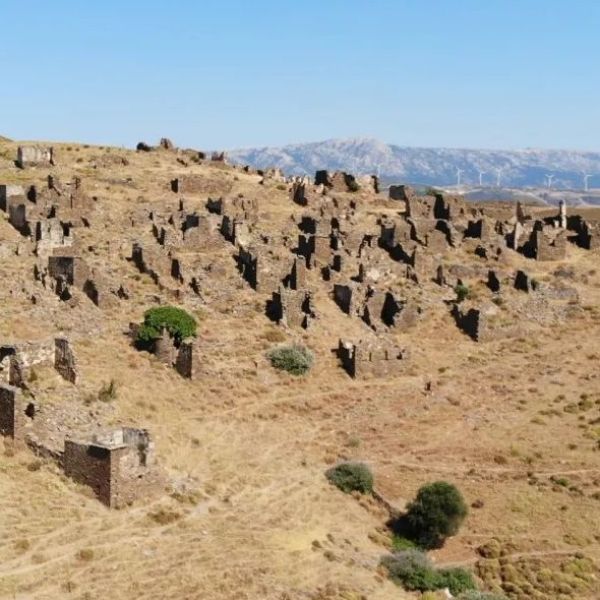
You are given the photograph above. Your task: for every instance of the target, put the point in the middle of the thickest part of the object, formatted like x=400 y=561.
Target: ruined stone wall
x=401 y=192
x=16 y=414
x=72 y=269
x=420 y=207
x=550 y=245
x=296 y=308
x=64 y=360
x=362 y=360
x=8 y=402
x=34 y=156
x=184 y=363
x=9 y=191
x=201 y=185
x=90 y=465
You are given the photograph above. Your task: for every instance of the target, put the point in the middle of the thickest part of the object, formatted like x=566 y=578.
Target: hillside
x=431 y=166
x=508 y=412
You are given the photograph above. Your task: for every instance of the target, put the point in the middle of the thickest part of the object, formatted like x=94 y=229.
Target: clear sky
x=236 y=73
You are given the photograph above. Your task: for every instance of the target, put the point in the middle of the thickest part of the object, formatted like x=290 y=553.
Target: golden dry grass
x=255 y=517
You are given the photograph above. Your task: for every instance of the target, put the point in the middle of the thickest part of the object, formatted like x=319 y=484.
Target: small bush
x=164 y=516
x=85 y=555
x=351 y=477
x=414 y=571
x=296 y=360
x=457 y=580
x=353 y=186
x=176 y=321
x=108 y=391
x=34 y=465
x=462 y=292
x=436 y=513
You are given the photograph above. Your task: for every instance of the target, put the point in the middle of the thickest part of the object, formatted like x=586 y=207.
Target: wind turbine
x=481 y=174
x=586 y=178
x=498 y=175
x=458 y=174
x=550 y=178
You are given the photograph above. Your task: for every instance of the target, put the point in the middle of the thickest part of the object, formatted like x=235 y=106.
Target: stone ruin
x=34 y=156
x=67 y=273
x=365 y=360
x=549 y=244
x=291 y=307
x=182 y=356
x=7 y=192
x=48 y=216
x=483 y=323
x=17 y=360
x=119 y=466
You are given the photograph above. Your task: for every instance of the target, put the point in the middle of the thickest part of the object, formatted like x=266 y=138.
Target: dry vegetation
x=515 y=424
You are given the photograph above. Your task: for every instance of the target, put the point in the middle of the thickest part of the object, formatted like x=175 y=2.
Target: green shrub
x=414 y=571
x=457 y=580
x=351 y=477
x=399 y=542
x=462 y=292
x=435 y=514
x=176 y=321
x=296 y=360
x=353 y=186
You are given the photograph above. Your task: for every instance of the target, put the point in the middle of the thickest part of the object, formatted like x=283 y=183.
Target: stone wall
x=34 y=156
x=64 y=360
x=364 y=360
x=8 y=191
x=119 y=467
x=549 y=244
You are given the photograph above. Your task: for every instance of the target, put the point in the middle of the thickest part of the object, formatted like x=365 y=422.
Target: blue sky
x=233 y=73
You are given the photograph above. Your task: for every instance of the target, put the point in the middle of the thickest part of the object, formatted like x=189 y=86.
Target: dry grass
x=257 y=519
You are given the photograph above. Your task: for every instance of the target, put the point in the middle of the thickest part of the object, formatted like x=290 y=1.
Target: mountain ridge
x=527 y=167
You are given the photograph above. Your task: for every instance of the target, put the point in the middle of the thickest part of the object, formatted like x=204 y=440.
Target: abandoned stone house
x=291 y=307
x=119 y=466
x=17 y=360
x=34 y=156
x=549 y=244
x=364 y=360
x=7 y=192
x=338 y=181
x=483 y=323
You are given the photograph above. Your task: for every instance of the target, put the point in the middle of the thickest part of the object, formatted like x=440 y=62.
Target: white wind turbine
x=459 y=172
x=549 y=179
x=586 y=179
x=481 y=174
x=498 y=175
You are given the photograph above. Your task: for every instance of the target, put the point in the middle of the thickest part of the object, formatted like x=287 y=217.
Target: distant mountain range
x=432 y=166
